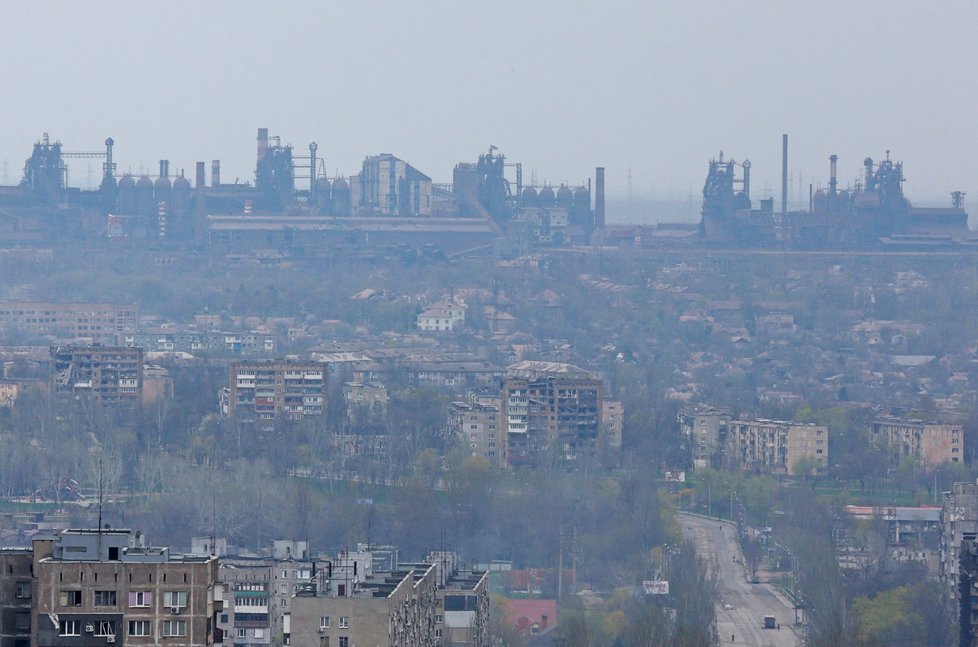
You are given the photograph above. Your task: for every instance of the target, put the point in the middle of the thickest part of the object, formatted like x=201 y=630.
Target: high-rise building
x=108 y=374
x=550 y=410
x=99 y=322
x=266 y=391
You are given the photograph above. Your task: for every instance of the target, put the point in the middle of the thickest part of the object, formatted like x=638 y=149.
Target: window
x=324 y=622
x=224 y=618
x=140 y=628
x=344 y=622
x=344 y=641
x=140 y=598
x=259 y=633
x=70 y=598
x=105 y=628
x=241 y=633
x=105 y=598
x=174 y=627
x=23 y=590
x=69 y=628
x=439 y=618
x=174 y=598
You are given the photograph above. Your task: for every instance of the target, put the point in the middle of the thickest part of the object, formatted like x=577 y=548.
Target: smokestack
x=162 y=168
x=262 y=142
x=216 y=173
x=784 y=173
x=199 y=201
x=599 y=198
x=868 y=164
x=312 y=172
x=746 y=166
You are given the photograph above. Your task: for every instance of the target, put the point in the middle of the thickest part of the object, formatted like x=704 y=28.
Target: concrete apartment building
x=929 y=444
x=100 y=322
x=704 y=429
x=550 y=410
x=365 y=402
x=100 y=587
x=110 y=375
x=346 y=604
x=477 y=425
x=959 y=524
x=462 y=618
x=16 y=595
x=196 y=341
x=265 y=391
x=257 y=591
x=775 y=447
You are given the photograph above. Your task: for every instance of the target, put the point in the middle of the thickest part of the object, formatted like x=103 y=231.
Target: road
x=742 y=606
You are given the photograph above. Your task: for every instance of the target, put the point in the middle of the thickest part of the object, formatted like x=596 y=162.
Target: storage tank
x=547 y=199
x=145 y=204
x=323 y=196
x=819 y=200
x=582 y=207
x=843 y=200
x=340 y=197
x=565 y=199
x=127 y=195
x=529 y=197
x=181 y=195
x=162 y=188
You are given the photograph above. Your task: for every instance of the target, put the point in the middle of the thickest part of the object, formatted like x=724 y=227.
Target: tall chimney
x=200 y=200
x=599 y=198
x=312 y=172
x=262 y=142
x=784 y=173
x=216 y=173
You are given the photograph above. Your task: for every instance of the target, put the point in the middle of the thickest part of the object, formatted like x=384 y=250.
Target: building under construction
x=872 y=213
x=293 y=206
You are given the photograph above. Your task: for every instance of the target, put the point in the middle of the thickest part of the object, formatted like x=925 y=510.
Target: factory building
x=870 y=212
x=389 y=186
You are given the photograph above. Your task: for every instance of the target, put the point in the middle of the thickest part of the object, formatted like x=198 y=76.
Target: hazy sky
x=657 y=86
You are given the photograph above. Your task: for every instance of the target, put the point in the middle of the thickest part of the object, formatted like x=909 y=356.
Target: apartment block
x=550 y=410
x=959 y=524
x=100 y=322
x=196 y=341
x=100 y=587
x=108 y=374
x=347 y=604
x=477 y=425
x=366 y=402
x=704 y=429
x=775 y=447
x=612 y=422
x=16 y=595
x=929 y=444
x=265 y=391
x=443 y=316
x=462 y=617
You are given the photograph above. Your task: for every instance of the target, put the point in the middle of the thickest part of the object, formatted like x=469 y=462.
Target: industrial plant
x=294 y=206
x=870 y=213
